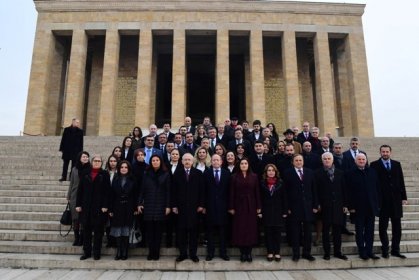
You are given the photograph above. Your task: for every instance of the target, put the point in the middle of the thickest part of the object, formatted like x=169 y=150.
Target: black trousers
x=273 y=239
x=396 y=231
x=66 y=162
x=154 y=231
x=170 y=228
x=212 y=231
x=97 y=239
x=187 y=238
x=337 y=238
x=364 y=230
x=295 y=230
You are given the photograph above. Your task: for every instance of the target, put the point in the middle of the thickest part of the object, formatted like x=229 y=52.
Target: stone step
x=18 y=193
x=38 y=216
x=169 y=264
x=54 y=208
x=33 y=200
x=17 y=182
x=39 y=187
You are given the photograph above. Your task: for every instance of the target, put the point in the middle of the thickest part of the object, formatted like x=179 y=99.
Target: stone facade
x=301 y=61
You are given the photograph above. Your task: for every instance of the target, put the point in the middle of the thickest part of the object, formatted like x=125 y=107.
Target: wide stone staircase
x=32 y=200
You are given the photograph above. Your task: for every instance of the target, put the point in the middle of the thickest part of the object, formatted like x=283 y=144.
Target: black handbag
x=135 y=235
x=66 y=220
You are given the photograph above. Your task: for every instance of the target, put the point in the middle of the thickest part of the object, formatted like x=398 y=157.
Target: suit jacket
x=142 y=145
x=247 y=146
x=129 y=157
x=216 y=197
x=223 y=140
x=170 y=136
x=363 y=191
x=187 y=196
x=274 y=203
x=301 y=138
x=302 y=195
x=392 y=188
x=332 y=195
x=186 y=149
x=312 y=161
x=316 y=146
x=251 y=137
x=71 y=142
x=348 y=162
x=258 y=165
x=154 y=151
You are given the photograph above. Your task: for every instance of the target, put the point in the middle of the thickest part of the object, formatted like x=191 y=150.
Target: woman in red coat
x=245 y=206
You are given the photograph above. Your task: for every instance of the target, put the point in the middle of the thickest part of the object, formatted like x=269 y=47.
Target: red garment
x=94 y=173
x=271 y=182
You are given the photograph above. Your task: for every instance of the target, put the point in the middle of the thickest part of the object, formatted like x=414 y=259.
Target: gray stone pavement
x=396 y=273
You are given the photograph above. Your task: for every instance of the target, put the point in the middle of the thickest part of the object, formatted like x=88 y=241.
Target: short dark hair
x=385 y=146
x=256 y=122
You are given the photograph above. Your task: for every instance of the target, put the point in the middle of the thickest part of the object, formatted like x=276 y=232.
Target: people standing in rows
x=188 y=125
x=117 y=153
x=286 y=162
x=81 y=166
x=188 y=202
x=364 y=203
x=127 y=151
x=256 y=133
x=111 y=168
x=152 y=131
x=154 y=202
x=149 y=149
x=92 y=205
x=200 y=133
x=302 y=204
x=178 y=140
x=217 y=184
x=392 y=196
x=338 y=155
x=137 y=134
x=161 y=142
x=289 y=139
x=325 y=145
x=212 y=138
x=221 y=136
x=245 y=207
x=258 y=159
x=189 y=146
x=221 y=151
x=231 y=161
x=122 y=207
x=245 y=130
x=166 y=152
x=174 y=165
x=350 y=154
x=70 y=146
x=315 y=141
x=333 y=201
x=305 y=135
x=206 y=123
x=238 y=139
x=166 y=130
x=266 y=135
x=240 y=151
x=311 y=160
x=202 y=159
x=274 y=133
x=274 y=210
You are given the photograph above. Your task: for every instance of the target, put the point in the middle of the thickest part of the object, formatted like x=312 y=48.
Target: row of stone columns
x=144 y=114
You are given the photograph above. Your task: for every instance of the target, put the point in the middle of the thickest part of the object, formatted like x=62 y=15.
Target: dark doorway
x=200 y=86
x=164 y=89
x=237 y=87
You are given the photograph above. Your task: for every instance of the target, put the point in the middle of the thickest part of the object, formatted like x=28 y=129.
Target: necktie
x=148 y=155
x=355 y=154
x=212 y=144
x=260 y=157
x=388 y=166
x=300 y=174
x=187 y=175
x=306 y=135
x=217 y=177
x=162 y=147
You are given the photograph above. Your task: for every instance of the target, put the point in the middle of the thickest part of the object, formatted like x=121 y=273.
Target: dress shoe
x=209 y=258
x=149 y=257
x=249 y=258
x=181 y=258
x=295 y=258
x=277 y=258
x=364 y=257
x=85 y=257
x=385 y=255
x=243 y=258
x=341 y=256
x=373 y=256
x=195 y=259
x=96 y=257
x=62 y=180
x=156 y=258
x=326 y=257
x=347 y=232
x=225 y=257
x=309 y=258
x=270 y=258
x=397 y=254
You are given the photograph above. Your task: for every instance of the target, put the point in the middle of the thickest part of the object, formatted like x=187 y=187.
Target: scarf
x=271 y=182
x=331 y=172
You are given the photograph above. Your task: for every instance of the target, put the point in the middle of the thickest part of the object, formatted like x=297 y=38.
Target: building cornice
x=247 y=6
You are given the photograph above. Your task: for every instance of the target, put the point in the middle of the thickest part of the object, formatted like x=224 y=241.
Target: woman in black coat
x=154 y=202
x=124 y=194
x=92 y=206
x=127 y=151
x=274 y=210
x=138 y=168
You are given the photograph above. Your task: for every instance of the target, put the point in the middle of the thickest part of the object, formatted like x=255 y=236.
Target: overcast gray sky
x=391 y=35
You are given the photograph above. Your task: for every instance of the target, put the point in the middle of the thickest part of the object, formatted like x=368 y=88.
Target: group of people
x=226 y=182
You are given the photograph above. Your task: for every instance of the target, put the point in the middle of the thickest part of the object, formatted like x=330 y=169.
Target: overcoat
x=274 y=204
x=123 y=201
x=71 y=142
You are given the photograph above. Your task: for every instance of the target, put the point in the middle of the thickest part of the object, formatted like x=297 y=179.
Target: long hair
x=238 y=170
x=162 y=165
x=265 y=171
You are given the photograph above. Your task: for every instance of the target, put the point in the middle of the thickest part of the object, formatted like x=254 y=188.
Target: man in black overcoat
x=393 y=197
x=71 y=145
x=258 y=159
x=302 y=204
x=364 y=202
x=188 y=202
x=217 y=184
x=331 y=191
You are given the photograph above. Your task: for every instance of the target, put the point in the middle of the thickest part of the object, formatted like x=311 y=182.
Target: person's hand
x=200 y=209
x=404 y=202
x=175 y=210
x=104 y=210
x=231 y=211
x=136 y=213
x=345 y=210
x=289 y=212
x=78 y=209
x=167 y=211
x=111 y=215
x=315 y=210
x=204 y=211
x=284 y=216
x=140 y=209
x=352 y=211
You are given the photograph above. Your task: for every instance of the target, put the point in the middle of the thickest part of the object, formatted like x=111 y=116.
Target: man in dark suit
x=349 y=155
x=285 y=163
x=222 y=137
x=188 y=202
x=189 y=146
x=311 y=160
x=238 y=139
x=338 y=155
x=189 y=127
x=152 y=131
x=331 y=191
x=217 y=184
x=166 y=130
x=212 y=137
x=393 y=197
x=149 y=149
x=258 y=159
x=325 y=145
x=304 y=135
x=161 y=141
x=71 y=145
x=166 y=153
x=363 y=201
x=302 y=203
x=256 y=134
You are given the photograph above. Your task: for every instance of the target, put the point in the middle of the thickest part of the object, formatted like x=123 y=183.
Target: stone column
x=36 y=104
x=179 y=78
x=109 y=83
x=289 y=60
x=74 y=94
x=325 y=97
x=362 y=121
x=143 y=116
x=222 y=96
x=258 y=111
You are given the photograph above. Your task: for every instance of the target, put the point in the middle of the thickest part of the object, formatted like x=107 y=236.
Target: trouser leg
x=396 y=230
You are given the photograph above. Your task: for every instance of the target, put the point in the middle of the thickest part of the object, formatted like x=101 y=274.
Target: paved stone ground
x=397 y=273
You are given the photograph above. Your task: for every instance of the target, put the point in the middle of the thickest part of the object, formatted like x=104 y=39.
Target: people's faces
x=298 y=162
x=112 y=163
x=325 y=143
x=76 y=123
x=230 y=158
x=128 y=142
x=307 y=147
x=245 y=125
x=238 y=134
x=240 y=150
x=123 y=169
x=315 y=133
x=187 y=161
x=227 y=122
x=117 y=152
x=289 y=150
x=183 y=130
x=136 y=132
x=84 y=159
x=140 y=157
x=281 y=147
x=244 y=165
x=306 y=127
x=221 y=129
x=188 y=121
x=256 y=127
x=202 y=154
x=216 y=161
x=189 y=138
x=259 y=148
x=212 y=133
x=266 y=132
x=218 y=150
x=155 y=163
x=207 y=121
x=385 y=153
x=153 y=130
x=270 y=172
x=361 y=161
x=327 y=160
x=354 y=145
x=337 y=149
x=162 y=138
x=178 y=138
x=170 y=146
x=166 y=127
x=149 y=142
x=174 y=155
x=271 y=127
x=289 y=136
x=96 y=162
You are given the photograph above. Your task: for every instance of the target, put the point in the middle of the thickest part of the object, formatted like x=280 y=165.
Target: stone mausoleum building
x=117 y=64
